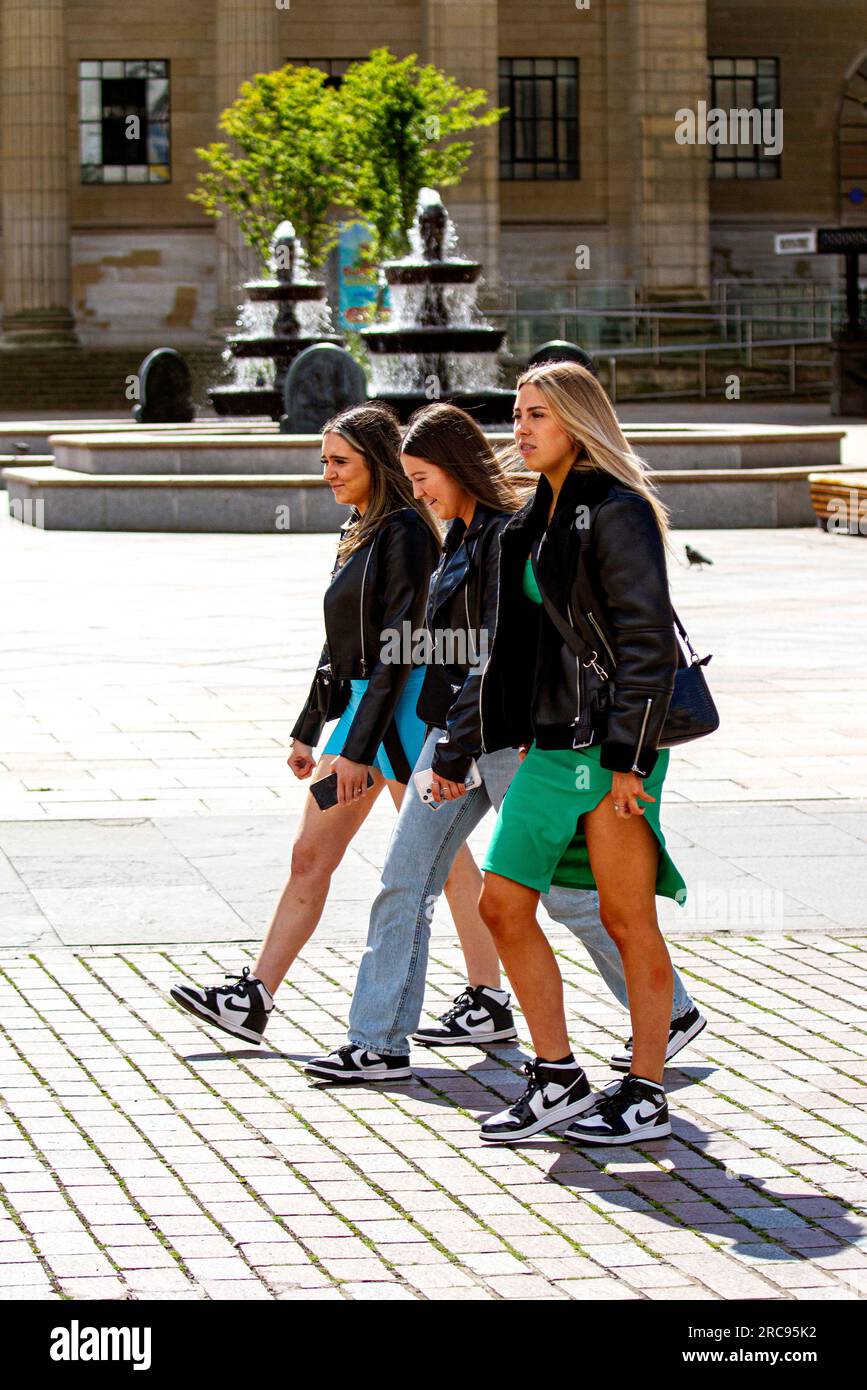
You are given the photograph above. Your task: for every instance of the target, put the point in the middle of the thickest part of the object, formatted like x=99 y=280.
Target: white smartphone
x=424 y=782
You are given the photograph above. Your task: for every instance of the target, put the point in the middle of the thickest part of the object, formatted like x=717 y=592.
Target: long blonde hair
x=373 y=430
x=581 y=407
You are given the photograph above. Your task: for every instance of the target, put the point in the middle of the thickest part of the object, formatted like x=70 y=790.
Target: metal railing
x=698 y=354
x=775 y=309
x=654 y=328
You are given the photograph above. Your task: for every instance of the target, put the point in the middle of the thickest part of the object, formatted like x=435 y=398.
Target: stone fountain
x=437 y=345
x=268 y=341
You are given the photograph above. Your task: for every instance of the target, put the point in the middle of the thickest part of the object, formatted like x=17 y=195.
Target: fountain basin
x=432 y=273
x=489 y=407
x=176 y=479
x=273 y=345
x=247 y=401
x=279 y=291
x=433 y=339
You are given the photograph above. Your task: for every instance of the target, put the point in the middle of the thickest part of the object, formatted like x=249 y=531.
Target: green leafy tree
x=398 y=123
x=286 y=129
x=306 y=152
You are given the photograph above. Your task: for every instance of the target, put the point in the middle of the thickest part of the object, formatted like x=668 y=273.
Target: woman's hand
x=444 y=790
x=351 y=780
x=626 y=789
x=301 y=759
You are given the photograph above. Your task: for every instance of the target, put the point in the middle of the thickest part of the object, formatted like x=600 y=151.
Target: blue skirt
x=409 y=728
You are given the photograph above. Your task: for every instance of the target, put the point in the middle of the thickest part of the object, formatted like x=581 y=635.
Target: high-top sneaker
x=352 y=1063
x=555 y=1092
x=479 y=1014
x=628 y=1112
x=241 y=1009
x=682 y=1031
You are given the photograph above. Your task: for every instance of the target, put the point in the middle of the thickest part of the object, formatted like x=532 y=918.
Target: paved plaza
x=147 y=689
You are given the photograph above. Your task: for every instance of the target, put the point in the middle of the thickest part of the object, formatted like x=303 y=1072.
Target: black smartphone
x=325 y=790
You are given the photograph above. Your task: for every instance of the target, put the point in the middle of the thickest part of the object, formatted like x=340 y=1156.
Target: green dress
x=538 y=839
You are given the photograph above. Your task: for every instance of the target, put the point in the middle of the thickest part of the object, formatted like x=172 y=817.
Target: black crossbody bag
x=691 y=712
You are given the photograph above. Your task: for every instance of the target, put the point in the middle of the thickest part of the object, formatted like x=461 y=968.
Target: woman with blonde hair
x=581 y=673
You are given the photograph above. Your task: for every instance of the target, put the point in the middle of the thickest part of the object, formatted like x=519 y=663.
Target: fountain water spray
x=267 y=342
x=437 y=345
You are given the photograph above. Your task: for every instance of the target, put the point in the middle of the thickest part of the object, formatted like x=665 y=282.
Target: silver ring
x=617 y=808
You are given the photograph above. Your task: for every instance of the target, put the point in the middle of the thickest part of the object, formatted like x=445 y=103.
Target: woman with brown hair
x=387 y=552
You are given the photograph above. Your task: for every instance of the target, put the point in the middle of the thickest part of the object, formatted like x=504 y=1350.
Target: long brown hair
x=451 y=439
x=374 y=430
x=580 y=405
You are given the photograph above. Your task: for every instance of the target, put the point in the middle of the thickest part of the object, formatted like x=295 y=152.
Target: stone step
x=59 y=499
x=31 y=460
x=195 y=452
x=215 y=450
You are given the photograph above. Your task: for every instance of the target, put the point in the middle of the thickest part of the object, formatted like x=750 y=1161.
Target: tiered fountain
x=262 y=351
x=437 y=345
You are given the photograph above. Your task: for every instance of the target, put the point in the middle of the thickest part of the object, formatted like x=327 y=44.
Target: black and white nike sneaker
x=241 y=1009
x=626 y=1112
x=683 y=1029
x=555 y=1092
x=351 y=1063
x=479 y=1015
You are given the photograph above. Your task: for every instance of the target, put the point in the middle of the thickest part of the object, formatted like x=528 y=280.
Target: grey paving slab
x=169 y=684
x=388 y=1192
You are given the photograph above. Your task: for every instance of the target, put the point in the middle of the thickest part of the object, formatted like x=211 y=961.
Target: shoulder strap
x=573 y=640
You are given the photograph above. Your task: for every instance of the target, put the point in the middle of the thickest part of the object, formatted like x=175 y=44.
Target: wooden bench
x=840 y=501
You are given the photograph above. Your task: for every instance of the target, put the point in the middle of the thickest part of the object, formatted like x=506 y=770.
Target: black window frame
x=745 y=162
x=563 y=164
x=156 y=71
x=334 y=68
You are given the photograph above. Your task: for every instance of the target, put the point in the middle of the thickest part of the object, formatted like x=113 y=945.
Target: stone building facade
x=107 y=254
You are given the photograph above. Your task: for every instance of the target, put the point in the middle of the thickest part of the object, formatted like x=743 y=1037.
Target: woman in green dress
x=581 y=671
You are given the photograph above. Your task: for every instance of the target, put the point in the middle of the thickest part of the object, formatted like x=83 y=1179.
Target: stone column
x=34 y=160
x=462 y=39
x=670 y=230
x=247 y=41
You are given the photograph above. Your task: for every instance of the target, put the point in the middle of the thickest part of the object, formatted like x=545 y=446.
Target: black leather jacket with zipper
x=601 y=564
x=379 y=588
x=461 y=612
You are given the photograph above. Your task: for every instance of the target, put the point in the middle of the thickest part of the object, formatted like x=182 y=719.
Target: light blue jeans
x=389 y=991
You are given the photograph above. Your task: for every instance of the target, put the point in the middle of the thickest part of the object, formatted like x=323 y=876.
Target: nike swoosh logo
x=646 y=1114
x=236 y=1008
x=550 y=1104
x=469 y=1020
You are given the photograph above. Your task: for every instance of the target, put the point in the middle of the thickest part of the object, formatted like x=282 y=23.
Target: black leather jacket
x=601 y=563
x=461 y=613
x=376 y=591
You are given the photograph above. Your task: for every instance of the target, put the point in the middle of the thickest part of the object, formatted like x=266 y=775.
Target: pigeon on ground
x=695 y=557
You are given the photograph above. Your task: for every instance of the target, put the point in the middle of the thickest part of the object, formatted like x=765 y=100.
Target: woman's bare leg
x=508 y=910
x=462 y=889
x=624 y=857
x=321 y=842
